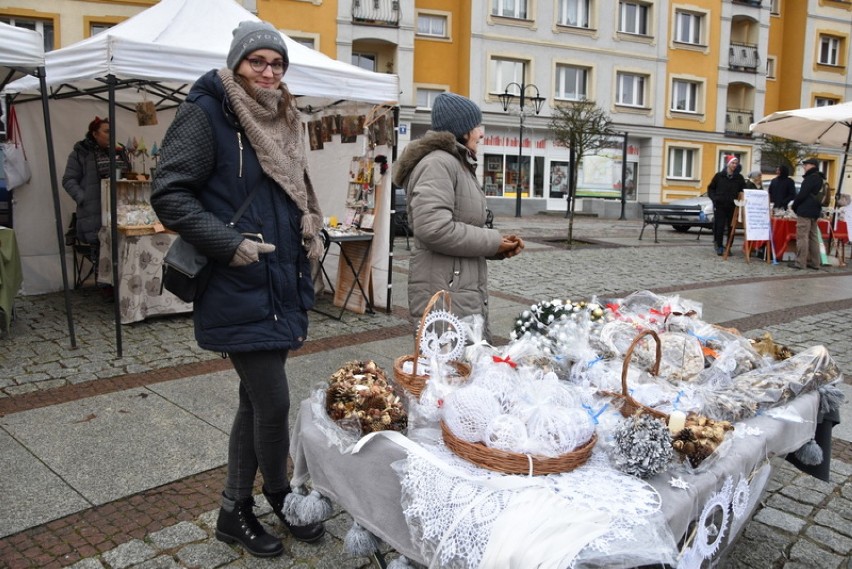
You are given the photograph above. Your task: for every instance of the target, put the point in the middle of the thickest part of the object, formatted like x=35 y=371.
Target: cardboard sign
x=757 y=215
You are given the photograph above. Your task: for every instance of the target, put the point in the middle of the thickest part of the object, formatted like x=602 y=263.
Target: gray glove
x=249 y=252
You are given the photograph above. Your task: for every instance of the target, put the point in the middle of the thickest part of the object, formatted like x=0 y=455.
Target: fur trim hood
x=419 y=149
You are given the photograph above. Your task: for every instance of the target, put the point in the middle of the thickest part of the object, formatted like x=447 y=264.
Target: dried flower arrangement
x=699 y=437
x=360 y=391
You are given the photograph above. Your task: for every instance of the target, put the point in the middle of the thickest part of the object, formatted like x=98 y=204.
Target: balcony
x=738 y=121
x=743 y=57
x=375 y=12
x=748 y=2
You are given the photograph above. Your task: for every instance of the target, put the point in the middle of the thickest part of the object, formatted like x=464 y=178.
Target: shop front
x=543 y=176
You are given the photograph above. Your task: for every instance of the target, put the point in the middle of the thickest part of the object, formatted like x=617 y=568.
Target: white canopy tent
x=156 y=56
x=829 y=126
x=22 y=54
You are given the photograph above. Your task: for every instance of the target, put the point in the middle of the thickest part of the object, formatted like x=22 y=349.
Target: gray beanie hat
x=251 y=36
x=455 y=114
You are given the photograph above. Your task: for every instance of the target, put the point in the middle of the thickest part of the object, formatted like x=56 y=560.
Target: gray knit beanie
x=455 y=114
x=251 y=36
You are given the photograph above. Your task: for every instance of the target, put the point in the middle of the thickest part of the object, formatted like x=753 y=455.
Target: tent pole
x=394 y=145
x=113 y=216
x=843 y=167
x=57 y=211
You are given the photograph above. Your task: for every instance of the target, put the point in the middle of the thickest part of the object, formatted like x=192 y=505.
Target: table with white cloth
x=11 y=276
x=371 y=491
x=140 y=268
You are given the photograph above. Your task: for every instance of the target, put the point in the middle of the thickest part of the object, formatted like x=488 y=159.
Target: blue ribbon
x=595 y=414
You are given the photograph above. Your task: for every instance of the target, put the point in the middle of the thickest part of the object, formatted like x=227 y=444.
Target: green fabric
x=10 y=274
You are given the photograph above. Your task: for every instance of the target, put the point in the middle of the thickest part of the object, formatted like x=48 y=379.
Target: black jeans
x=723 y=213
x=260 y=435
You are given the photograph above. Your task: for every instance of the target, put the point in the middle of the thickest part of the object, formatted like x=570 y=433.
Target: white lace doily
x=451 y=509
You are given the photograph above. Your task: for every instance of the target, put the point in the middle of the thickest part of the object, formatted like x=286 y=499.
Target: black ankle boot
x=239 y=524
x=308 y=533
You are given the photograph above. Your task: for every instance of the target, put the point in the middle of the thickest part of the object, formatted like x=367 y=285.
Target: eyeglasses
x=260 y=65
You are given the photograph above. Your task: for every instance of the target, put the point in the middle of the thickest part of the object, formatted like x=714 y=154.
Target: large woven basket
x=629 y=406
x=412 y=382
x=515 y=462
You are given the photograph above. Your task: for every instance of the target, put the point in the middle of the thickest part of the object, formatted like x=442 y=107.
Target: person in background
x=446 y=212
x=808 y=211
x=724 y=188
x=782 y=189
x=754 y=180
x=87 y=165
x=239 y=134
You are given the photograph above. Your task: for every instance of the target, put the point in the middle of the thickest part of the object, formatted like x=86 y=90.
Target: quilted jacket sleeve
x=186 y=163
x=73 y=176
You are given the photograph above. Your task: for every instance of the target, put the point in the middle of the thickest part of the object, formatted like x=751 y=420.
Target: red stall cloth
x=784 y=231
x=840 y=236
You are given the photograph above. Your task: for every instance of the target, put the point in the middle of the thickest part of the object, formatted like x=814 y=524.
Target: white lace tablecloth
x=409 y=511
x=140 y=269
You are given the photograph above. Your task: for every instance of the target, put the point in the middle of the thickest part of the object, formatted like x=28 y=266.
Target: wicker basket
x=515 y=462
x=629 y=406
x=412 y=382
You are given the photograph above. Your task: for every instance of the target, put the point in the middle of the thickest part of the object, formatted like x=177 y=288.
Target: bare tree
x=776 y=152
x=583 y=128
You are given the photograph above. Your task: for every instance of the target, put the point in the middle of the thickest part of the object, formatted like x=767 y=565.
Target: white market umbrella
x=822 y=126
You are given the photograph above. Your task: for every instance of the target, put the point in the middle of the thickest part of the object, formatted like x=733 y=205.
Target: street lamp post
x=506 y=99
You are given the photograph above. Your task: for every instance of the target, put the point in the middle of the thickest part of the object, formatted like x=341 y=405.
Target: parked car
x=683 y=223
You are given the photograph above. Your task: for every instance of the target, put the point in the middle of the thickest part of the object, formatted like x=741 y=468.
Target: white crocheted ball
x=502 y=386
x=467 y=411
x=553 y=431
x=506 y=432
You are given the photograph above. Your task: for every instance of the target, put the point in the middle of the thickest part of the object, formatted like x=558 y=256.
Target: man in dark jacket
x=723 y=189
x=808 y=211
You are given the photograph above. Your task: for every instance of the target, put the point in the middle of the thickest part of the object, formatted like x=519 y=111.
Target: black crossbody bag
x=185 y=270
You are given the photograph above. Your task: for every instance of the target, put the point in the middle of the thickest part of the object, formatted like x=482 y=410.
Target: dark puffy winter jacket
x=206 y=171
x=782 y=189
x=725 y=189
x=806 y=203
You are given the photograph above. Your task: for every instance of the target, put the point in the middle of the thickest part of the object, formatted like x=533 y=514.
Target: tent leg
x=57 y=212
x=113 y=216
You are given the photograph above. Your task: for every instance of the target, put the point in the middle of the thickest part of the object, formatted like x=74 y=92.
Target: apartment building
x=681 y=80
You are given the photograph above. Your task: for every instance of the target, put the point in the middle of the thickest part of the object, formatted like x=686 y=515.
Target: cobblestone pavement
x=802 y=522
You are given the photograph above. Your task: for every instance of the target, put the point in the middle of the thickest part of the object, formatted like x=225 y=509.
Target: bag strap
x=14 y=130
x=243 y=207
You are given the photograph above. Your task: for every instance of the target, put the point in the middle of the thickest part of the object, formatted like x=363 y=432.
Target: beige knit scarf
x=275 y=131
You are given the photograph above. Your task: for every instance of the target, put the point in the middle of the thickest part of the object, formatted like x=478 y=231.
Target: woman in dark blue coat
x=238 y=136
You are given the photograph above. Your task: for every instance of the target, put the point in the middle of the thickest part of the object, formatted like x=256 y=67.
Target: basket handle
x=659 y=354
x=441 y=294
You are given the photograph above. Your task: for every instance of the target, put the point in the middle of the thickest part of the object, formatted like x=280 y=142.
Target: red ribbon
x=506 y=360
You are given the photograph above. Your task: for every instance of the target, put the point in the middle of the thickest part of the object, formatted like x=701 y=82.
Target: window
x=505 y=71
x=432 y=25
x=829 y=50
x=775 y=7
x=572 y=82
x=96 y=28
x=633 y=18
x=630 y=89
x=510 y=8
x=44 y=27
x=425 y=97
x=364 y=60
x=688 y=27
x=770 y=68
x=574 y=13
x=685 y=96
x=682 y=163
x=824 y=102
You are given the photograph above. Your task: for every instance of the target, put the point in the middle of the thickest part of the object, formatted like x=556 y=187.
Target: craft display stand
x=368 y=488
x=353 y=273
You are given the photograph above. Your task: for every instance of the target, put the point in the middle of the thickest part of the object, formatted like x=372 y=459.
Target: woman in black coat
x=782 y=189
x=237 y=137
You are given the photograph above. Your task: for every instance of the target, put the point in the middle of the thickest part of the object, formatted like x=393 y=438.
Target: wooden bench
x=655 y=214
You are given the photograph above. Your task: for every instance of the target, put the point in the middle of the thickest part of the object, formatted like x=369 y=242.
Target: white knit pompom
x=313 y=508
x=292 y=502
x=359 y=542
x=810 y=453
x=400 y=562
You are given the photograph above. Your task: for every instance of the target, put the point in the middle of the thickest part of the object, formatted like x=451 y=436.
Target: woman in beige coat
x=446 y=212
